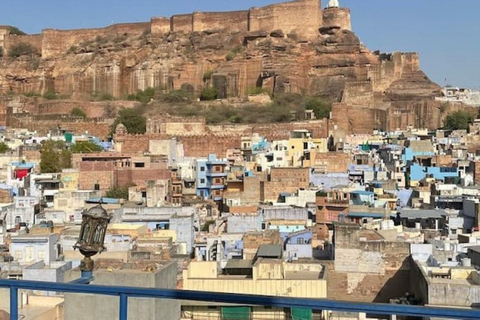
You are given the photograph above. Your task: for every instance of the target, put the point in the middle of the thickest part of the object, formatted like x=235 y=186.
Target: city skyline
x=447 y=55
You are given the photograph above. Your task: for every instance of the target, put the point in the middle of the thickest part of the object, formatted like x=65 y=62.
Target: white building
x=26 y=249
x=463 y=95
x=22 y=212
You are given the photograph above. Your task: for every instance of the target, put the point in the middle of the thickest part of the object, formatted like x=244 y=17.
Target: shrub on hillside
x=77 y=112
x=209 y=93
x=21 y=49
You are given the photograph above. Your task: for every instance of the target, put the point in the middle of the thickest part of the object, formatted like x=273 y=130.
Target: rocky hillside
x=335 y=66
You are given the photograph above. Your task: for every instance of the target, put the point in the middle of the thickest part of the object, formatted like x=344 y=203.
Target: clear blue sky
x=445 y=33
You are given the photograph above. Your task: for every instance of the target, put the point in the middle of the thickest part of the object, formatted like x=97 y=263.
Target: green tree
x=16 y=31
x=209 y=93
x=132 y=119
x=458 y=120
x=319 y=107
x=118 y=193
x=50 y=95
x=85 y=147
x=54 y=156
x=77 y=112
x=65 y=159
x=3 y=147
x=144 y=96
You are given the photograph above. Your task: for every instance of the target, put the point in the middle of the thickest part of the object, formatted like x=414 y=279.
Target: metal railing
x=239 y=299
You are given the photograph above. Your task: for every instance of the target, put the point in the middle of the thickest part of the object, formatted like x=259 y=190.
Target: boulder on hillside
x=253 y=35
x=277 y=34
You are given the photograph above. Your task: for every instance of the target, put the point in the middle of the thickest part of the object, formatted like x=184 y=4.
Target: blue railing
x=241 y=299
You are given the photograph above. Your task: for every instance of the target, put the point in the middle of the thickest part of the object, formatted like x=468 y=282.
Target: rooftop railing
x=124 y=293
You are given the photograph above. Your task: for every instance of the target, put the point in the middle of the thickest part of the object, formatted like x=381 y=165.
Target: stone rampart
x=392 y=67
x=233 y=21
x=358 y=93
x=302 y=16
x=182 y=22
x=160 y=25
x=56 y=42
x=337 y=17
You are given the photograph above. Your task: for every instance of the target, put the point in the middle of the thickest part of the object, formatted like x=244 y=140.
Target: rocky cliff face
x=335 y=66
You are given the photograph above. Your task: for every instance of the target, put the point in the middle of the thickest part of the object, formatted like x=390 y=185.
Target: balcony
x=216 y=174
x=124 y=293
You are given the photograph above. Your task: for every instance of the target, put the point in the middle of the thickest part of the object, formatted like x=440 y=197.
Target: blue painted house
x=418 y=172
x=299 y=245
x=211 y=178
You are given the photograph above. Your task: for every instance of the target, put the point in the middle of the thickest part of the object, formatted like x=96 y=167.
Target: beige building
x=271 y=277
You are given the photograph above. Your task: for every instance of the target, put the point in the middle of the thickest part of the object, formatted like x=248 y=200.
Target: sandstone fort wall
x=301 y=16
x=56 y=42
x=337 y=17
x=393 y=67
x=182 y=22
x=160 y=25
x=235 y=20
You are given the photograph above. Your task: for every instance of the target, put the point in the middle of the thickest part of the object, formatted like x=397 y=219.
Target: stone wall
x=284 y=180
x=94 y=127
x=92 y=109
x=347 y=119
x=93 y=172
x=160 y=25
x=368 y=269
x=138 y=176
x=233 y=21
x=303 y=17
x=56 y=42
x=332 y=162
x=392 y=67
x=200 y=140
x=337 y=17
x=358 y=93
x=182 y=22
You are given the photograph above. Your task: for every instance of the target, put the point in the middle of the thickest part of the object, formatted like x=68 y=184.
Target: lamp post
x=91 y=237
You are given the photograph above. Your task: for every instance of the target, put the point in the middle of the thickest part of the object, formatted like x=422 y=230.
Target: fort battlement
x=303 y=17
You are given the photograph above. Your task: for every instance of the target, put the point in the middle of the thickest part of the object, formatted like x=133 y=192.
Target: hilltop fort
x=303 y=17
x=297 y=46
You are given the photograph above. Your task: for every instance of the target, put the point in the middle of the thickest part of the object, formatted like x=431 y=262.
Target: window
x=18 y=255
x=139 y=165
x=202 y=181
x=202 y=169
x=300 y=241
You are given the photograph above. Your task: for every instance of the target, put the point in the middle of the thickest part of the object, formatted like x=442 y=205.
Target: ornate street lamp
x=92 y=235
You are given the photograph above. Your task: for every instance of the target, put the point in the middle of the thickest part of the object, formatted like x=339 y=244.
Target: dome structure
x=97 y=212
x=120 y=129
